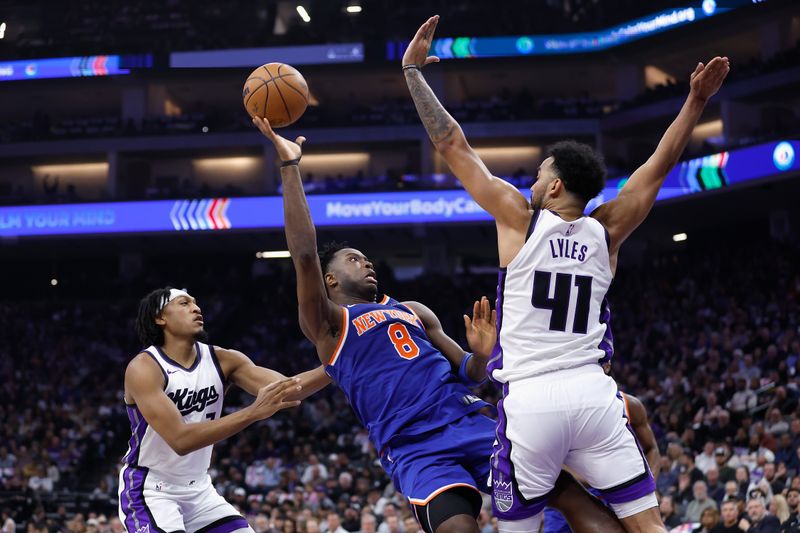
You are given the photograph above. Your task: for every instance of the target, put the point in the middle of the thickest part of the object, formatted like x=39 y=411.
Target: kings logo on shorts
x=503 y=495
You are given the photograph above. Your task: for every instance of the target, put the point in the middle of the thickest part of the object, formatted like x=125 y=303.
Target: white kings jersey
x=197 y=393
x=552 y=312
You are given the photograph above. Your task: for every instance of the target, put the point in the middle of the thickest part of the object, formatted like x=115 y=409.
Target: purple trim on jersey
x=174 y=363
x=607 y=344
x=508 y=503
x=534 y=218
x=131 y=500
x=225 y=525
x=217 y=366
x=138 y=429
x=496 y=358
x=160 y=367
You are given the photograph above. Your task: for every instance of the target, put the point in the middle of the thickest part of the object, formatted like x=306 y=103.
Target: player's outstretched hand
x=287 y=150
x=707 y=79
x=272 y=398
x=417 y=51
x=482 y=328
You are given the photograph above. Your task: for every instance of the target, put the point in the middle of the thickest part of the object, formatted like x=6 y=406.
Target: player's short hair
x=580 y=167
x=150 y=306
x=328 y=251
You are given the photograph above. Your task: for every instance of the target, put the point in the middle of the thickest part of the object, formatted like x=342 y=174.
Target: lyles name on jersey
x=568 y=249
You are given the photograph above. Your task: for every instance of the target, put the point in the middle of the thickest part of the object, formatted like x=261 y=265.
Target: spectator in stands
x=369 y=524
x=411 y=526
x=776 y=425
x=758 y=519
x=708 y=521
x=787 y=454
x=391 y=524
x=729 y=515
x=700 y=502
x=779 y=508
x=775 y=475
x=792 y=524
x=732 y=491
x=726 y=473
x=716 y=490
x=669 y=515
x=7 y=524
x=315 y=472
x=705 y=460
x=333 y=524
x=743 y=479
x=687 y=461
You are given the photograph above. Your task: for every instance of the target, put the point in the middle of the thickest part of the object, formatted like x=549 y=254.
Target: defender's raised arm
x=501 y=199
x=623 y=214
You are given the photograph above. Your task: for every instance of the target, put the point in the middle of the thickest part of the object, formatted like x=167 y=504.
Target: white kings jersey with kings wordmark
x=197 y=392
x=551 y=300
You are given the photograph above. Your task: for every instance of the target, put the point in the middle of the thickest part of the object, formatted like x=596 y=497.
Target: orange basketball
x=277 y=92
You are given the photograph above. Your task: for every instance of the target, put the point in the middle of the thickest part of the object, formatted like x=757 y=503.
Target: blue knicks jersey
x=393 y=377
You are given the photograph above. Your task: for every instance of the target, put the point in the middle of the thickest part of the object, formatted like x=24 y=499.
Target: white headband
x=173 y=293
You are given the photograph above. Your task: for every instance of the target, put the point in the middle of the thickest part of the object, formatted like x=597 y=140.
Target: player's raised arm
x=242 y=372
x=501 y=199
x=144 y=384
x=320 y=318
x=623 y=214
x=473 y=369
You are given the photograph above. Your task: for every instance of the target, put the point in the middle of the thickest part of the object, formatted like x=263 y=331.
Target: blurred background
x=127 y=163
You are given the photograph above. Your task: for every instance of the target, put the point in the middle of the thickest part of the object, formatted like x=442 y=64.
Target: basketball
x=277 y=92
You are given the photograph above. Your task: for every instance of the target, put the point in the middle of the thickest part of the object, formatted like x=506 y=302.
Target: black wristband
x=290 y=163
x=406 y=67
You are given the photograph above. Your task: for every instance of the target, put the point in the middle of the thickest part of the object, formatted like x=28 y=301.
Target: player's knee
x=458 y=524
x=640 y=516
x=526 y=525
x=452 y=510
x=646 y=506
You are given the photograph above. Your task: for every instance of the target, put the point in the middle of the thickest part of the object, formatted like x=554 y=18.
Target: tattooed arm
x=501 y=199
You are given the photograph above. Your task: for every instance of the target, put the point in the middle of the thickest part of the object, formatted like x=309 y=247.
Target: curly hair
x=328 y=251
x=148 y=331
x=580 y=167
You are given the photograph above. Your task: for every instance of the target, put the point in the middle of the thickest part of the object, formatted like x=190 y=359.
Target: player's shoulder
x=423 y=313
x=228 y=354
x=143 y=367
x=142 y=359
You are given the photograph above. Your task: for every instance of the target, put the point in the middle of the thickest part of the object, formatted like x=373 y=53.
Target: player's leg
x=608 y=456
x=583 y=512
x=451 y=511
x=532 y=442
x=205 y=511
x=434 y=471
x=646 y=521
x=145 y=506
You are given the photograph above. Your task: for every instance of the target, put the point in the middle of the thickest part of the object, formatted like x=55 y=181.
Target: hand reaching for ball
x=287 y=150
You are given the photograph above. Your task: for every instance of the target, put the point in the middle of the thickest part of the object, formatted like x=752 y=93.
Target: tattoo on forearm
x=437 y=121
